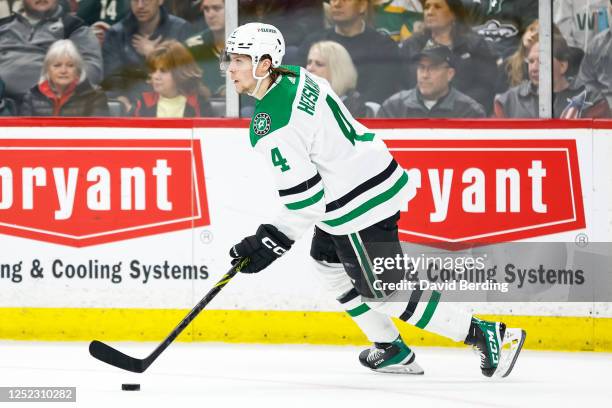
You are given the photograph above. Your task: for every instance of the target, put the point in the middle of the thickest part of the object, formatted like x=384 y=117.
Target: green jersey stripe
x=365 y=263
x=368 y=205
x=429 y=310
x=359 y=310
x=305 y=203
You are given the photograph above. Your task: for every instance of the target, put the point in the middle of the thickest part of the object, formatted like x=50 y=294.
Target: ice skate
x=497 y=346
x=394 y=358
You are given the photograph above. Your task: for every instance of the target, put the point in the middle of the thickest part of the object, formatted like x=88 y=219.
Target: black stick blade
x=114 y=357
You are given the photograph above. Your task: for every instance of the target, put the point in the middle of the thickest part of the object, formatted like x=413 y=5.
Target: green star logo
x=261 y=124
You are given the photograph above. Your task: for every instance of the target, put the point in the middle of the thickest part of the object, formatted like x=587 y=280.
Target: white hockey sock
x=377 y=327
x=444 y=318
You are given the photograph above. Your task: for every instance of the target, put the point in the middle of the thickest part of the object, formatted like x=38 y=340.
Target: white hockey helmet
x=255 y=40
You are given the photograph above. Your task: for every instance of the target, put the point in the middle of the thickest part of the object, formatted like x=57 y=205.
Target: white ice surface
x=251 y=376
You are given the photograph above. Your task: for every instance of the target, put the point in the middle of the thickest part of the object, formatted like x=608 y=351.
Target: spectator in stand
x=434 y=96
x=207 y=46
x=475 y=64
x=25 y=38
x=596 y=68
x=571 y=101
x=63 y=89
x=501 y=22
x=331 y=61
x=513 y=70
x=522 y=101
x=102 y=14
x=375 y=55
x=7 y=106
x=294 y=18
x=399 y=19
x=8 y=7
x=177 y=85
x=581 y=20
x=129 y=42
x=188 y=10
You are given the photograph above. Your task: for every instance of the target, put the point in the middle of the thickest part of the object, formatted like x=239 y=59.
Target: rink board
x=165 y=254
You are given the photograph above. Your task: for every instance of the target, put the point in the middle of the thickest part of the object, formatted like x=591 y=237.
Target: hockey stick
x=114 y=357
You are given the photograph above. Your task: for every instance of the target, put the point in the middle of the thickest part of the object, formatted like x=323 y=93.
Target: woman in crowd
x=514 y=68
x=331 y=61
x=177 y=88
x=63 y=89
x=475 y=63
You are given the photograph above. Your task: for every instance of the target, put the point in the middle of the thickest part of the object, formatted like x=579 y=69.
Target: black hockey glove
x=266 y=246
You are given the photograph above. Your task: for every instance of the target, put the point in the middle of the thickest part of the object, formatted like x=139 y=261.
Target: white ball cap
x=257 y=40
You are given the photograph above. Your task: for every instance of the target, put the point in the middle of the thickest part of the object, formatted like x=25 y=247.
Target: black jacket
x=475 y=64
x=84 y=101
x=409 y=104
x=125 y=71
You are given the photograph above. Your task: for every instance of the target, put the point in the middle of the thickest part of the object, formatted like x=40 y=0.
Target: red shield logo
x=87 y=192
x=488 y=191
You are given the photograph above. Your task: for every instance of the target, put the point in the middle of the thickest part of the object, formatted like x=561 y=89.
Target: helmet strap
x=258 y=78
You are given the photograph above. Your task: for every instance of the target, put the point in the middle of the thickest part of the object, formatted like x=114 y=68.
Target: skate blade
x=511 y=348
x=410 y=369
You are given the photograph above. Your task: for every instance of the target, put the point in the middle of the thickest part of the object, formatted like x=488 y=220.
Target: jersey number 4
x=345 y=125
x=279 y=160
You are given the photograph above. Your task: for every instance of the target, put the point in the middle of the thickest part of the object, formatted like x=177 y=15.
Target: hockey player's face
x=316 y=64
x=437 y=14
x=240 y=70
x=40 y=6
x=214 y=14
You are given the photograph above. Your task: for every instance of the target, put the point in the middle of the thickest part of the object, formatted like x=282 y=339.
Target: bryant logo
x=261 y=124
x=486 y=191
x=88 y=192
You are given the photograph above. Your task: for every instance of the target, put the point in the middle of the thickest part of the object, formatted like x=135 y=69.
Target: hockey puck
x=130 y=387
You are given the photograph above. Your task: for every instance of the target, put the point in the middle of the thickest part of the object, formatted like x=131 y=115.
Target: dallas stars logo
x=261 y=124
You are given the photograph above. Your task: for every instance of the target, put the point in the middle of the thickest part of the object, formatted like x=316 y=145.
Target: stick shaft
x=109 y=355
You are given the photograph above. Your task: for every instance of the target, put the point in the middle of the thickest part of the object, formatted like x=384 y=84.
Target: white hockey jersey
x=329 y=169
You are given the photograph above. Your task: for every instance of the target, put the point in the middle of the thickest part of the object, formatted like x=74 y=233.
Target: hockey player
x=333 y=172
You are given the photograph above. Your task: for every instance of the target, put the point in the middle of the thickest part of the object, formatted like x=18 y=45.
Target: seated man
x=128 y=42
x=374 y=54
x=434 y=96
x=26 y=36
x=206 y=46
